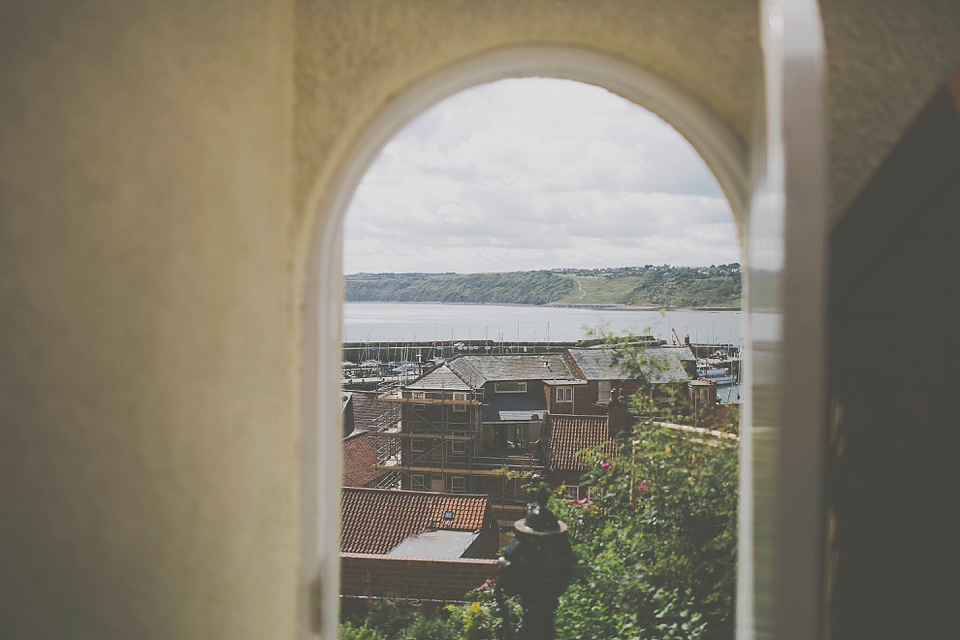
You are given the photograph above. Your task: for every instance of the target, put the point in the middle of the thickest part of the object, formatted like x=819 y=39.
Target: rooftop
x=661 y=364
x=369 y=414
x=359 y=458
x=377 y=520
x=435 y=544
x=478 y=370
x=569 y=435
x=443 y=377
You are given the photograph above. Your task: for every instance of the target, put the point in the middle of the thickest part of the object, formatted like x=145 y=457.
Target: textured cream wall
x=148 y=379
x=885 y=60
x=155 y=164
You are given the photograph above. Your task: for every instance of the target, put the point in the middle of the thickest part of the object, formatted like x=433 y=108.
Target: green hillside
x=714 y=286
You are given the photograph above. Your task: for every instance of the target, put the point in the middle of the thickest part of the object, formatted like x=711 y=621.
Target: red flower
x=642 y=486
x=605 y=466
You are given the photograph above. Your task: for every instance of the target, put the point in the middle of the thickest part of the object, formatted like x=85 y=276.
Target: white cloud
x=534 y=174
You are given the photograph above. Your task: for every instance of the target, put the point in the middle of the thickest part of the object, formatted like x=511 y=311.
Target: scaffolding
x=438 y=445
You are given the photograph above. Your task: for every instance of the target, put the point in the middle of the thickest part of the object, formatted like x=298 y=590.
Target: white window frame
x=418 y=485
x=792 y=557
x=419 y=395
x=459 y=396
x=521 y=387
x=453 y=484
x=571 y=492
x=418 y=442
x=603 y=396
x=565 y=392
x=460 y=408
x=458 y=444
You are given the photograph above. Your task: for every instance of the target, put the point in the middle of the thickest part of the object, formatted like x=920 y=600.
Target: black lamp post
x=538 y=565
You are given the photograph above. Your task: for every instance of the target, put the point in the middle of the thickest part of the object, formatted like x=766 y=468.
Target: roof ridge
x=418 y=493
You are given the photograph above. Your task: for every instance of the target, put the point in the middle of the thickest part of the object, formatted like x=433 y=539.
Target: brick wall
x=376 y=575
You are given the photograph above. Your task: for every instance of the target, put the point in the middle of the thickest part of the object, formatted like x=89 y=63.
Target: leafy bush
x=658 y=537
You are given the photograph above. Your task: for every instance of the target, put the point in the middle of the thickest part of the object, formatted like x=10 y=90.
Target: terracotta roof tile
x=368 y=413
x=377 y=520
x=569 y=435
x=359 y=456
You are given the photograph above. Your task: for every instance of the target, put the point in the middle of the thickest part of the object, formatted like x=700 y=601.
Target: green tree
x=657 y=537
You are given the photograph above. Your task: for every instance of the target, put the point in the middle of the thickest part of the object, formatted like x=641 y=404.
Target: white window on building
x=510 y=387
x=458 y=447
x=571 y=493
x=603 y=392
x=458 y=484
x=564 y=394
x=417 y=445
x=419 y=395
x=418 y=482
x=459 y=397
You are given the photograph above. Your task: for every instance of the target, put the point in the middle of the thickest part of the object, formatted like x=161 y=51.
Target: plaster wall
x=148 y=378
x=160 y=165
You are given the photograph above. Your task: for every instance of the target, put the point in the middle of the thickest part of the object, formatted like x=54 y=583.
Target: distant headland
x=650 y=287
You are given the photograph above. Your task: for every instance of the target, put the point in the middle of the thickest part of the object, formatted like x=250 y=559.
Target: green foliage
x=483 y=617
x=398 y=620
x=350 y=632
x=658 y=539
x=714 y=286
x=520 y=287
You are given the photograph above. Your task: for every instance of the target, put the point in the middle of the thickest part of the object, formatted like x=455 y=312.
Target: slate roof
x=368 y=413
x=443 y=377
x=359 y=456
x=571 y=434
x=377 y=520
x=435 y=544
x=661 y=364
x=478 y=370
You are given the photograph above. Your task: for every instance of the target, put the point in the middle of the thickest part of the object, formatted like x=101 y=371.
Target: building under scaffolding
x=442 y=443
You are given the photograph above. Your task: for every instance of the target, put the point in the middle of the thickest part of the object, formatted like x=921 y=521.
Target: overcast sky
x=537 y=174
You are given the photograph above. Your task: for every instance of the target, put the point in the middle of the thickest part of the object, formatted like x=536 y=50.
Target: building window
x=571 y=493
x=459 y=397
x=458 y=484
x=419 y=395
x=419 y=407
x=458 y=447
x=417 y=446
x=564 y=394
x=460 y=408
x=418 y=482
x=603 y=392
x=510 y=387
